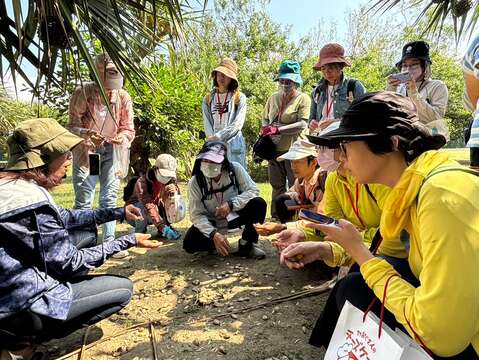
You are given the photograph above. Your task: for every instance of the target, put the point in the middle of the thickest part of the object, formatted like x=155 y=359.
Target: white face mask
x=162 y=179
x=210 y=170
x=112 y=79
x=325 y=159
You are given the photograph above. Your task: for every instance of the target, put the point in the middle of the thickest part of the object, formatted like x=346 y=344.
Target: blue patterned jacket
x=37 y=256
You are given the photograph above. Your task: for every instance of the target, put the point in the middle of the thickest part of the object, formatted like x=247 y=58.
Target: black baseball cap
x=383 y=113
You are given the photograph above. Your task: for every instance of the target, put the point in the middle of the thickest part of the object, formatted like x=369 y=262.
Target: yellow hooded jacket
x=342 y=196
x=441 y=216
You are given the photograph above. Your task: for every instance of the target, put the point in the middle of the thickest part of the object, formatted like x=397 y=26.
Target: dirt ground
x=184 y=294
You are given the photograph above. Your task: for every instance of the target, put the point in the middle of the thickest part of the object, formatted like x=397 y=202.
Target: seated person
x=432 y=206
x=150 y=194
x=45 y=250
x=222 y=196
x=308 y=186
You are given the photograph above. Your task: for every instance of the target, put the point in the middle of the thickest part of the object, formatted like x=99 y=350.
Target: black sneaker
x=250 y=250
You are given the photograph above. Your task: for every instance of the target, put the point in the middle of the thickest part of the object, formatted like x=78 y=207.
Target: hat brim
x=216 y=158
x=331 y=60
x=290 y=155
x=167 y=173
x=333 y=138
x=296 y=78
x=411 y=56
x=225 y=71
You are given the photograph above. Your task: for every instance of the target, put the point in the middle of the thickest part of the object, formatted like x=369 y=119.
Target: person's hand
x=132 y=213
x=346 y=235
x=223 y=210
x=170 y=189
x=270 y=130
x=117 y=140
x=288 y=237
x=221 y=244
x=411 y=86
x=95 y=138
x=296 y=255
x=325 y=123
x=267 y=229
x=393 y=83
x=213 y=138
x=143 y=241
x=313 y=124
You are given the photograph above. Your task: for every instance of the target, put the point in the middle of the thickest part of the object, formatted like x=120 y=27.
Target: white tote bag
x=356 y=337
x=175 y=208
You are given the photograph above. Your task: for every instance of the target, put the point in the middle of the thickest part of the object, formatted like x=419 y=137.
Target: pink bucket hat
x=331 y=53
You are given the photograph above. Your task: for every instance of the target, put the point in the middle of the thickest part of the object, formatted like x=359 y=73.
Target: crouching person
x=158 y=197
x=46 y=251
x=222 y=196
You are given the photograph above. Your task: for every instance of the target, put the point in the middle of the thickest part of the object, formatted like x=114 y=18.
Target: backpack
x=233 y=182
x=350 y=87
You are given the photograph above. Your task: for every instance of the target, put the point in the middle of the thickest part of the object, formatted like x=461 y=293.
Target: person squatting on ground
x=108 y=135
x=224 y=111
x=46 y=251
x=154 y=193
x=307 y=190
x=432 y=207
x=284 y=118
x=334 y=92
x=429 y=96
x=222 y=196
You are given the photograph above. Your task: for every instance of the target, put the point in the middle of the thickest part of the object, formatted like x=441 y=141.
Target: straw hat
x=227 y=67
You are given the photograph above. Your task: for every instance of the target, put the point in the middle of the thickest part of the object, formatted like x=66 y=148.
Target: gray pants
x=279 y=172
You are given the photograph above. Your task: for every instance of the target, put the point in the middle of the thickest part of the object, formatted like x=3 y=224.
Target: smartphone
x=290 y=203
x=94 y=164
x=402 y=77
x=316 y=217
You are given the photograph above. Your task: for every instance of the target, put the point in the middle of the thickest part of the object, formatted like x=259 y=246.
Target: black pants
x=254 y=212
x=354 y=289
x=474 y=156
x=284 y=215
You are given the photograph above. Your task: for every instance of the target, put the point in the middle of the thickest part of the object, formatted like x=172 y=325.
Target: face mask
x=162 y=179
x=112 y=79
x=285 y=89
x=415 y=73
x=210 y=170
x=325 y=159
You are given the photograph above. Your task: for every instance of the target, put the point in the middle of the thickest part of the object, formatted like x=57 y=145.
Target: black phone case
x=94 y=164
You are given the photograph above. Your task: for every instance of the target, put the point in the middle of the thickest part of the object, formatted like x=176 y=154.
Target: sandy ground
x=184 y=294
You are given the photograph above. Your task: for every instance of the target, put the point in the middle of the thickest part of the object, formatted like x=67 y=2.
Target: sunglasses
x=342 y=146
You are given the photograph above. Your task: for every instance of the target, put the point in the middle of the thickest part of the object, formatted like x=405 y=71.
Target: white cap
x=300 y=149
x=166 y=165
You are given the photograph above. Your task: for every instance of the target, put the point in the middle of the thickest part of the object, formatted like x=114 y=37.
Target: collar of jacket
x=322 y=85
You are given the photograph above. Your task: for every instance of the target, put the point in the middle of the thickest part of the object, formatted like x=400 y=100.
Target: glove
x=169 y=233
x=269 y=130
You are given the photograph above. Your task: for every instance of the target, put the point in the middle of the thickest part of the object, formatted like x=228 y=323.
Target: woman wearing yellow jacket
x=433 y=206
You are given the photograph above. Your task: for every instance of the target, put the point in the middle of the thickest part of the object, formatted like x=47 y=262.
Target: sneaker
x=120 y=254
x=250 y=250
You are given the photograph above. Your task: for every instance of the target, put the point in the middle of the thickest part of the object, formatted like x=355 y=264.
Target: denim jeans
x=84 y=186
x=141 y=225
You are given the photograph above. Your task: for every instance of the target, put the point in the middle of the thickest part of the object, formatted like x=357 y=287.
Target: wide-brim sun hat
x=37 y=142
x=300 y=149
x=227 y=67
x=290 y=70
x=330 y=54
x=383 y=113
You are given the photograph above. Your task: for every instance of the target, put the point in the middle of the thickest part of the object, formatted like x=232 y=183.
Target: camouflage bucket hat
x=37 y=142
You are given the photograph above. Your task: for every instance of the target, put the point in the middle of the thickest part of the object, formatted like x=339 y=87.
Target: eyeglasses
x=68 y=155
x=285 y=81
x=332 y=66
x=410 y=67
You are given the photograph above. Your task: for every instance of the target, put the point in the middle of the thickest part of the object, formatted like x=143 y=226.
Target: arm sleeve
x=207 y=117
x=247 y=186
x=265 y=119
x=359 y=89
x=435 y=109
x=126 y=125
x=235 y=126
x=77 y=219
x=76 y=110
x=313 y=108
x=294 y=128
x=448 y=277
x=60 y=255
x=198 y=212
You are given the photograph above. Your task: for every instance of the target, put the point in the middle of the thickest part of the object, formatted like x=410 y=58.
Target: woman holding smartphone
x=429 y=96
x=432 y=207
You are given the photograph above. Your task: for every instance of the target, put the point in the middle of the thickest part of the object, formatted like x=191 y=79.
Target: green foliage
x=168 y=121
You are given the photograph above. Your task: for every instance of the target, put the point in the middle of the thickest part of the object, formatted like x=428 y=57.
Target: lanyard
x=355 y=204
x=221 y=109
x=329 y=104
x=218 y=195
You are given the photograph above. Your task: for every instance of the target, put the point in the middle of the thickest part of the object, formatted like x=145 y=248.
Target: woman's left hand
x=411 y=86
x=132 y=213
x=346 y=235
